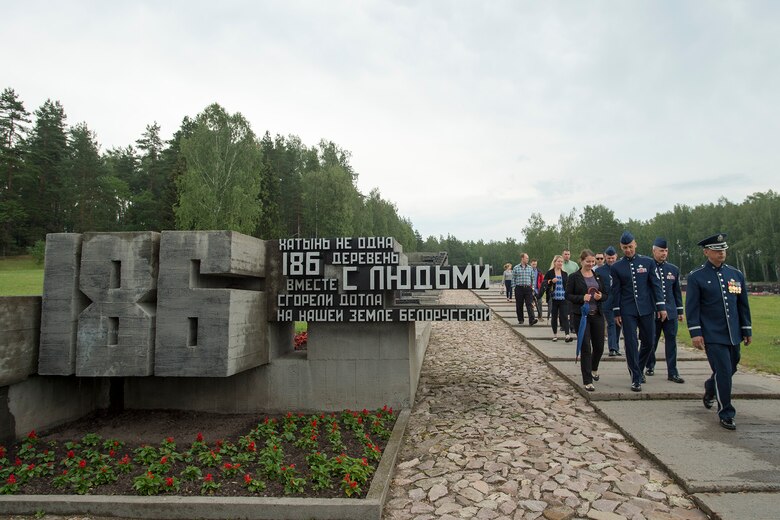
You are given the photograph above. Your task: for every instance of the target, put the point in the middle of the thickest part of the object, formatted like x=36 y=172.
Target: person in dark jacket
x=587 y=286
x=718 y=314
x=554 y=284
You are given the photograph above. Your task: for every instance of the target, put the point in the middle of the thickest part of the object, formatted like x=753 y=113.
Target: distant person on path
x=587 y=286
x=508 y=280
x=554 y=284
x=638 y=300
x=718 y=314
x=538 y=277
x=569 y=265
x=613 y=331
x=523 y=287
x=669 y=274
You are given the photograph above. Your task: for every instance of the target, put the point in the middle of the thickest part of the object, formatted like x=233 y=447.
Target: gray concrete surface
x=20 y=323
x=211 y=309
x=116 y=331
x=61 y=306
x=686 y=439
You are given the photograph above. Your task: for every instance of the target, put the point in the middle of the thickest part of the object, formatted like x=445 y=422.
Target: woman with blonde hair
x=508 y=281
x=554 y=283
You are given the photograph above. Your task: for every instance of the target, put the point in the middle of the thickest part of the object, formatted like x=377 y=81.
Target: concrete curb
x=261 y=508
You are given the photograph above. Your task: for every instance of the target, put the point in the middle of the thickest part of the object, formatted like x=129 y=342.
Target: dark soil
x=137 y=428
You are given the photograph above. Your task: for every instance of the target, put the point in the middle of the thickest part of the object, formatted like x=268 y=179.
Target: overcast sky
x=468 y=115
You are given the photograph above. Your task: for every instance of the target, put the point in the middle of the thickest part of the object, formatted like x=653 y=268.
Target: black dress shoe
x=708 y=401
x=636 y=387
x=650 y=372
x=729 y=424
x=533 y=322
x=676 y=379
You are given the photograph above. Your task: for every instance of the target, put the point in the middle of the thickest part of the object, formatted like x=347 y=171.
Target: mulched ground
x=143 y=427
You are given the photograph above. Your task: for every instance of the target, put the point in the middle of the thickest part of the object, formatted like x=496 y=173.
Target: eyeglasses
x=599 y=258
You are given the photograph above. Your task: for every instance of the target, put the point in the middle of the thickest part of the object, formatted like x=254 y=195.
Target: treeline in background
x=753 y=229
x=216 y=173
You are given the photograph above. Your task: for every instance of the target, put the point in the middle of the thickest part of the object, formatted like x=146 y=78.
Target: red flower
x=12 y=479
x=314 y=437
x=2 y=452
x=364 y=461
x=251 y=446
x=82 y=463
x=125 y=459
x=169 y=439
x=111 y=453
x=353 y=484
x=208 y=478
x=18 y=462
x=247 y=478
x=228 y=465
x=64 y=471
x=71 y=454
x=169 y=482
x=164 y=459
x=199 y=438
x=32 y=435
x=31 y=467
x=219 y=443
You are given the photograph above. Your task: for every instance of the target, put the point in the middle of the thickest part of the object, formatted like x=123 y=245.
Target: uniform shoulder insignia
x=697 y=269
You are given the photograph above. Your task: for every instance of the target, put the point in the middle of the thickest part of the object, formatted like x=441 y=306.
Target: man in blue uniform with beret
x=613 y=331
x=669 y=274
x=718 y=314
x=637 y=301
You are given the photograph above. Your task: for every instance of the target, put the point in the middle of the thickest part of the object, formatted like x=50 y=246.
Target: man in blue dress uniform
x=718 y=314
x=613 y=331
x=637 y=301
x=669 y=274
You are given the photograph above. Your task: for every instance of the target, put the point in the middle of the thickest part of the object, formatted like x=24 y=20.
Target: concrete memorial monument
x=203 y=320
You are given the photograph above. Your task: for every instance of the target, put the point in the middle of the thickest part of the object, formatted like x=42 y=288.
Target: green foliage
x=220 y=188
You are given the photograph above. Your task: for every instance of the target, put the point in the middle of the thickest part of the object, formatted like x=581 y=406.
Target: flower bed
x=294 y=455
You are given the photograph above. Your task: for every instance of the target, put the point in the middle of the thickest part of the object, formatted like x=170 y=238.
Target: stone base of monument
x=173 y=507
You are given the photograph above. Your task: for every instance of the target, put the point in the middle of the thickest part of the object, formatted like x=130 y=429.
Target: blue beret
x=715 y=242
x=626 y=237
x=660 y=242
x=610 y=251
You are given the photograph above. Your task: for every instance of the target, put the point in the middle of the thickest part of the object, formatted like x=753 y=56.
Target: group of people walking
x=641 y=296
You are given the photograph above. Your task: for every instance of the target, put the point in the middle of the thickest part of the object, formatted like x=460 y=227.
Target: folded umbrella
x=581 y=330
x=583 y=324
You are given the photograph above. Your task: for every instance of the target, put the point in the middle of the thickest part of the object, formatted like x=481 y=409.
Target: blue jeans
x=508 y=285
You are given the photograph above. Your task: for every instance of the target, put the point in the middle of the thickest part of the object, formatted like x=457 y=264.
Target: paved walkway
x=501 y=429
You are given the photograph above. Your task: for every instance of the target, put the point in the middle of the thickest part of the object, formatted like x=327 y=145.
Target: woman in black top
x=554 y=283
x=585 y=285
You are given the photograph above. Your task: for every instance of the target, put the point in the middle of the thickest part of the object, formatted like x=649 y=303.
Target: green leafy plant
x=209 y=486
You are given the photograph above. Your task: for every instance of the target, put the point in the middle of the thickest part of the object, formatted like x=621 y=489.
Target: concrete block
x=211 y=306
x=39 y=403
x=334 y=384
x=116 y=331
x=62 y=303
x=20 y=322
x=345 y=340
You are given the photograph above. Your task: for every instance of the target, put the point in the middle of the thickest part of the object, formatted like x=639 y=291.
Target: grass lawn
x=20 y=276
x=764 y=352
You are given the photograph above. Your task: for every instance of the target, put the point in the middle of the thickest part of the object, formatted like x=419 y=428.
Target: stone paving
x=495 y=433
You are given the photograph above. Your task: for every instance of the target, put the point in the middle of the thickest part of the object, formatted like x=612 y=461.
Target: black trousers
x=592 y=345
x=524 y=294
